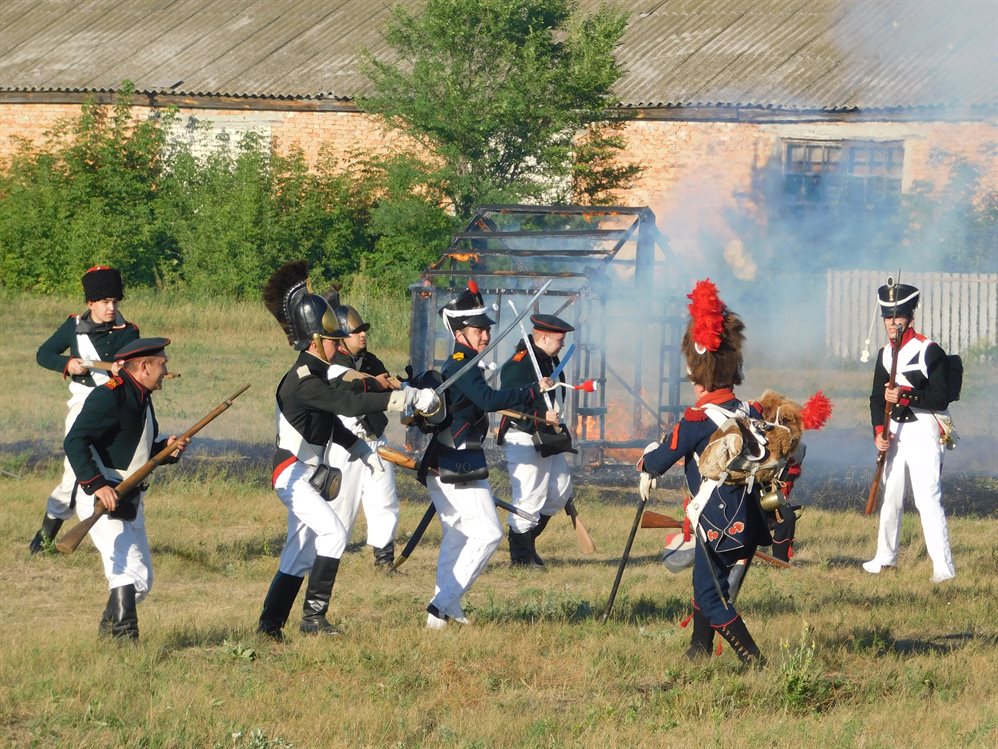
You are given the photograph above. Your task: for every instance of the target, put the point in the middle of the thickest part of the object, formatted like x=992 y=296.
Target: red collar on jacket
x=722 y=395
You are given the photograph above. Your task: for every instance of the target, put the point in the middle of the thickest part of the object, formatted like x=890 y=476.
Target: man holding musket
x=94 y=335
x=307 y=409
x=354 y=365
x=915 y=443
x=727 y=520
x=453 y=467
x=539 y=474
x=115 y=434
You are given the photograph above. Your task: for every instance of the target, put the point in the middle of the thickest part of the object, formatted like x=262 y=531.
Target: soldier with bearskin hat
x=453 y=467
x=919 y=431
x=115 y=434
x=94 y=335
x=539 y=474
x=726 y=519
x=307 y=409
x=354 y=365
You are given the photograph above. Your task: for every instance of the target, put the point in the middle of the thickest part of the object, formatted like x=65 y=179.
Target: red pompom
x=816 y=411
x=472 y=286
x=707 y=311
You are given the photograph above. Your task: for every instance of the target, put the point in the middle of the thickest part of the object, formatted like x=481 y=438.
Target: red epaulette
x=113 y=382
x=518 y=356
x=694 y=414
x=755 y=405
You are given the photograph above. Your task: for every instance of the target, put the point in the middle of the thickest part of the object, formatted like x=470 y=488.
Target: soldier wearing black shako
x=540 y=477
x=94 y=336
x=453 y=467
x=307 y=409
x=726 y=519
x=114 y=435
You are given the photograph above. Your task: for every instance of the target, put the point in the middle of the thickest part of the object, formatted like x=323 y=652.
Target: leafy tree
x=498 y=94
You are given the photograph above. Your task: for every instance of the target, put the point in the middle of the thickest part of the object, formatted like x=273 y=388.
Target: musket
x=623 y=559
x=520 y=415
x=75 y=535
x=581 y=532
x=871 y=498
x=109 y=367
x=652 y=519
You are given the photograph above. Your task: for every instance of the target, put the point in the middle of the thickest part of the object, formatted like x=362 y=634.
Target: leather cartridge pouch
x=457 y=466
x=549 y=443
x=326 y=480
x=128 y=504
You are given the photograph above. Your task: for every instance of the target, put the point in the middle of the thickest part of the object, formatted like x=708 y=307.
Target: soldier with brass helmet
x=355 y=366
x=95 y=335
x=307 y=409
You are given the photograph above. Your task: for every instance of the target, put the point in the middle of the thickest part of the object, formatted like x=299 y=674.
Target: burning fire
x=464 y=257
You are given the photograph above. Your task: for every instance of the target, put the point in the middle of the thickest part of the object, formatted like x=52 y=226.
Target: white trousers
x=313 y=528
x=541 y=486
x=360 y=487
x=59 y=504
x=915 y=453
x=123 y=546
x=471 y=535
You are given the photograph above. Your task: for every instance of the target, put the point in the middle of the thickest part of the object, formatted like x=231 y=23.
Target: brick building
x=743 y=110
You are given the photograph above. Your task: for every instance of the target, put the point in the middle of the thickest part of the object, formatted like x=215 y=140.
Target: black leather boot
x=521 y=549
x=104 y=626
x=48 y=532
x=537 y=530
x=737 y=635
x=384 y=557
x=124 y=618
x=702 y=641
x=317 y=595
x=278 y=603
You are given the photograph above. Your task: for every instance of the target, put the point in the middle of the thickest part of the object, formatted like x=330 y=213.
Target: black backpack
x=954 y=377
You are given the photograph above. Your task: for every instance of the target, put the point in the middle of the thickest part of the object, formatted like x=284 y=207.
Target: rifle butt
x=652 y=519
x=586 y=542
x=72 y=538
x=871 y=497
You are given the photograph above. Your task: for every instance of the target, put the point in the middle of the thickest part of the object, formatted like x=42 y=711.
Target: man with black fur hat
x=114 y=435
x=94 y=335
x=917 y=438
x=453 y=467
x=726 y=520
x=353 y=364
x=539 y=475
x=307 y=409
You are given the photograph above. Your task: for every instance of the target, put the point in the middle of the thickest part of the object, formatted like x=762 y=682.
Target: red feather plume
x=816 y=411
x=707 y=311
x=472 y=286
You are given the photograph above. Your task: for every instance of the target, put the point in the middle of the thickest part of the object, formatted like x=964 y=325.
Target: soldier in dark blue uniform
x=453 y=466
x=308 y=406
x=95 y=335
x=540 y=477
x=727 y=520
x=114 y=435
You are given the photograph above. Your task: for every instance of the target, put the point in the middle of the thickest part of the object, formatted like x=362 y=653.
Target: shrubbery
x=109 y=189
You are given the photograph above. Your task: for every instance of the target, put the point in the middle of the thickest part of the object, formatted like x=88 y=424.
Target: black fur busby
x=713 y=340
x=303 y=315
x=102 y=282
x=897 y=300
x=466 y=310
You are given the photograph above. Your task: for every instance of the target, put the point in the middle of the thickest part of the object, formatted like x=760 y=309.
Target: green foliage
x=498 y=93
x=805 y=687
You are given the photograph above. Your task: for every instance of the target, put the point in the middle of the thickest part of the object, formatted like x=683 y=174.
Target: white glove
x=370 y=458
x=423 y=400
x=645 y=485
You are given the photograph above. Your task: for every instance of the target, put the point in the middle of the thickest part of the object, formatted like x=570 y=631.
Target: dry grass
x=855 y=660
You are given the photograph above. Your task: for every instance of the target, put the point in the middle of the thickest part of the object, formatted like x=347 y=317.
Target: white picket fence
x=957 y=310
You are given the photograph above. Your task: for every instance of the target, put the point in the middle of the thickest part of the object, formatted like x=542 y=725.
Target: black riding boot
x=702 y=641
x=104 y=626
x=384 y=557
x=534 y=533
x=317 y=595
x=737 y=635
x=278 y=603
x=521 y=549
x=124 y=619
x=48 y=531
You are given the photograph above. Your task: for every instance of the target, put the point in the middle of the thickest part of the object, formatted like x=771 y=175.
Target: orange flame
x=464 y=257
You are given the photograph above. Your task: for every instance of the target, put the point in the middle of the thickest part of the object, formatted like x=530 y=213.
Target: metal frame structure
x=609 y=268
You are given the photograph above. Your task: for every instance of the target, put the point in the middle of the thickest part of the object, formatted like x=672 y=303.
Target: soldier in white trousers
x=917 y=438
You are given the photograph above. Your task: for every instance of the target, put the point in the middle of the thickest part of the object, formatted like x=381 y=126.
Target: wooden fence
x=957 y=310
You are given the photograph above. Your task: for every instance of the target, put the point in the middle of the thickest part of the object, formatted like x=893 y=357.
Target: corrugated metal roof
x=779 y=54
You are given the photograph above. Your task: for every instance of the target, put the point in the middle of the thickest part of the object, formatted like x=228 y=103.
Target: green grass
x=854 y=660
